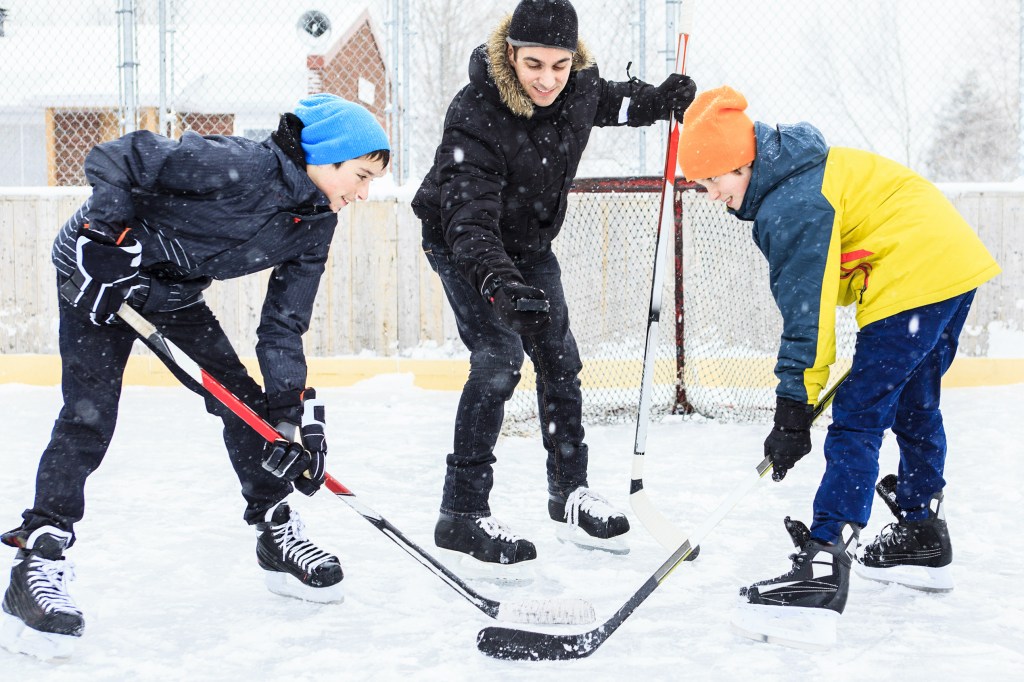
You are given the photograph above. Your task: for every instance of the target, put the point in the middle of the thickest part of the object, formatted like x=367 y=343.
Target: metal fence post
x=1020 y=84
x=406 y=150
x=129 y=98
x=162 y=96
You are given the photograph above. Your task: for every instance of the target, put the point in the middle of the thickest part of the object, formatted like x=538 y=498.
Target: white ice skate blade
x=921 y=578
x=19 y=638
x=470 y=568
x=793 y=626
x=579 y=537
x=286 y=585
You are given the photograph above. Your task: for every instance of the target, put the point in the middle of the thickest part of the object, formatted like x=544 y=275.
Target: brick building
x=233 y=79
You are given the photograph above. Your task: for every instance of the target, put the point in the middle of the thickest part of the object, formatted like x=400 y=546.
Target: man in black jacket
x=491 y=204
x=165 y=218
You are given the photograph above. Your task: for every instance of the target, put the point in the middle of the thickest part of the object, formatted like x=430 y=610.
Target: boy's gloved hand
x=523 y=308
x=300 y=456
x=790 y=438
x=106 y=272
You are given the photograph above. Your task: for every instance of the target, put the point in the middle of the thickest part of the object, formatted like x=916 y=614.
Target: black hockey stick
x=546 y=611
x=524 y=645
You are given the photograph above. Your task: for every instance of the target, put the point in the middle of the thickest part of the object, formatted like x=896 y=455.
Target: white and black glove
x=301 y=455
x=106 y=272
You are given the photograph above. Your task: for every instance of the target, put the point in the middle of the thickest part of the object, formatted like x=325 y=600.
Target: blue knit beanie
x=337 y=130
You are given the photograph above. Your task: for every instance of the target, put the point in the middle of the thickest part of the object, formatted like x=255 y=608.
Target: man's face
x=346 y=183
x=729 y=187
x=542 y=71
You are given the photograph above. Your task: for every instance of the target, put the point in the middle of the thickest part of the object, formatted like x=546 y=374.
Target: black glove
x=675 y=94
x=523 y=308
x=790 y=439
x=106 y=272
x=300 y=456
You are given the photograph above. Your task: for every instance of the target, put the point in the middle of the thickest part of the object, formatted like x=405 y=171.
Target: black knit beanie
x=544 y=23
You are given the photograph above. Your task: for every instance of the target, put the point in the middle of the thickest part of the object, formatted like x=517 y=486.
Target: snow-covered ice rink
x=168 y=581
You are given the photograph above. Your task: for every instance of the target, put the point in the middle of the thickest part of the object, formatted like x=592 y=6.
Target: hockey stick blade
x=524 y=645
x=537 y=612
x=664 y=531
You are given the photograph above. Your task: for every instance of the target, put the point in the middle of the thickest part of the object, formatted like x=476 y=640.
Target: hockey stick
x=524 y=645
x=663 y=530
x=545 y=611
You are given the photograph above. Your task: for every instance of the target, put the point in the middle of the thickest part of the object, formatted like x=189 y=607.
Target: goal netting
x=719 y=326
x=731 y=323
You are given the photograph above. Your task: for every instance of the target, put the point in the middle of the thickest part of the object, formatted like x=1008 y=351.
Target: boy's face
x=345 y=183
x=729 y=188
x=542 y=71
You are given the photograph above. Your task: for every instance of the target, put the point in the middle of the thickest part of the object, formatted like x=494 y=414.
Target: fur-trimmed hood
x=511 y=92
x=498 y=190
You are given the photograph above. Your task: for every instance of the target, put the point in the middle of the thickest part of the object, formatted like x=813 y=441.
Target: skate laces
x=48 y=582
x=589 y=502
x=496 y=529
x=291 y=538
x=892 y=534
x=798 y=559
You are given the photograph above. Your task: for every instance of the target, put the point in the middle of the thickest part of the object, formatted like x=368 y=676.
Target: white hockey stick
x=524 y=645
x=663 y=530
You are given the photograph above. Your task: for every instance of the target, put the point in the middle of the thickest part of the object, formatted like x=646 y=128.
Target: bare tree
x=867 y=78
x=447 y=33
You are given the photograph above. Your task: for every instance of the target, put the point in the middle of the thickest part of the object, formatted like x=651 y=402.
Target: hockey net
x=719 y=327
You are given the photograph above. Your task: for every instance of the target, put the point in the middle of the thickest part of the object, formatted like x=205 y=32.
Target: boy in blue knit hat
x=166 y=218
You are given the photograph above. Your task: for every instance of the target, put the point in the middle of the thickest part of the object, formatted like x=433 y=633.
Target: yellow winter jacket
x=841 y=226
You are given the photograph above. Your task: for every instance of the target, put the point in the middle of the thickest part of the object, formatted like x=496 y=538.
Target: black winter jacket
x=498 y=189
x=216 y=207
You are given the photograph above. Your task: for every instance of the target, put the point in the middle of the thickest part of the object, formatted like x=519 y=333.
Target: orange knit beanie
x=717 y=137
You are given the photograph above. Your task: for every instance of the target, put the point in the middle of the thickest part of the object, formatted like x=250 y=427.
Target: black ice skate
x=293 y=566
x=39 y=617
x=486 y=548
x=801 y=608
x=916 y=554
x=588 y=520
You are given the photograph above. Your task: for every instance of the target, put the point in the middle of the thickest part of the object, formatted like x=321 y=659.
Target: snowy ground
x=169 y=584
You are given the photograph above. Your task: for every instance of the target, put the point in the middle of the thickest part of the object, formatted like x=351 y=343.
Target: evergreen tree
x=975 y=139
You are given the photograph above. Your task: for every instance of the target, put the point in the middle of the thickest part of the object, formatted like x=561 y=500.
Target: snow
x=167 y=577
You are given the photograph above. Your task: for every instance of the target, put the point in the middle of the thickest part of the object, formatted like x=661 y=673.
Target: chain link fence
x=935 y=84
x=75 y=74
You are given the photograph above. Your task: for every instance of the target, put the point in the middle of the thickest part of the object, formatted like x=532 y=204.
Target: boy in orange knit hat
x=841 y=226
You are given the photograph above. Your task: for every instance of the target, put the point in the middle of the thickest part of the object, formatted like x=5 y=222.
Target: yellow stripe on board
x=450 y=375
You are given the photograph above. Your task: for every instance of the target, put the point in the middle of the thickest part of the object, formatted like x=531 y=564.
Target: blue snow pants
x=894 y=384
x=496 y=356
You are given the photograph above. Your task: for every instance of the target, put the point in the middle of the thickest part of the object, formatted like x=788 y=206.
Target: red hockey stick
x=546 y=611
